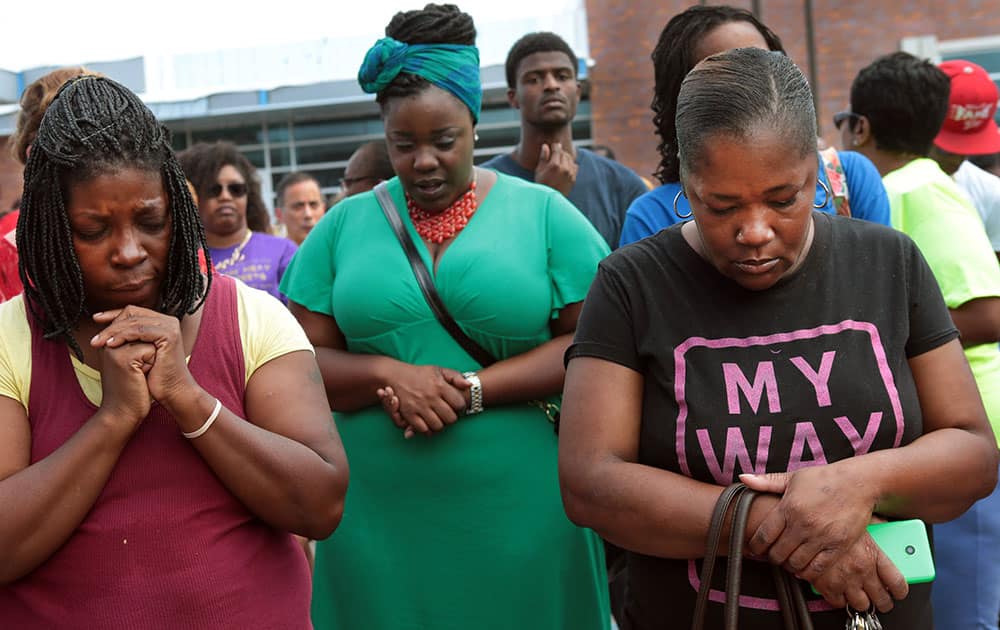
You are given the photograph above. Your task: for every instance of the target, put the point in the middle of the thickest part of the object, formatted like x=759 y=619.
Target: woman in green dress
x=462 y=526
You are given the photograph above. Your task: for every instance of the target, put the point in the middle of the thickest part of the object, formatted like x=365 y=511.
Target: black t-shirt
x=810 y=371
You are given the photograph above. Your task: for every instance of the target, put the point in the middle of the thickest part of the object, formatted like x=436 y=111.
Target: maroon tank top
x=166 y=545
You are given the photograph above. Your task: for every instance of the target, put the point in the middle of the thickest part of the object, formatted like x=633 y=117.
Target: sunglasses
x=840 y=117
x=236 y=190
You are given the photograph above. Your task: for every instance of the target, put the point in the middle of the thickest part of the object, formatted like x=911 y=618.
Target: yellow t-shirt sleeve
x=267 y=328
x=15 y=351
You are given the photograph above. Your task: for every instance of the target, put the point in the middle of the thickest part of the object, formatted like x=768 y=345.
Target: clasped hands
x=142 y=359
x=816 y=530
x=424 y=398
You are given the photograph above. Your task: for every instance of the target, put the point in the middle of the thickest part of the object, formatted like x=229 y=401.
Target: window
x=325 y=152
x=256 y=157
x=236 y=135
x=281 y=155
x=178 y=141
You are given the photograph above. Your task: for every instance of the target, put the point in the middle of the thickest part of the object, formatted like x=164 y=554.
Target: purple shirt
x=260 y=264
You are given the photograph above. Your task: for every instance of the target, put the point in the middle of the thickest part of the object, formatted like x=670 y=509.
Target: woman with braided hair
x=461 y=526
x=169 y=430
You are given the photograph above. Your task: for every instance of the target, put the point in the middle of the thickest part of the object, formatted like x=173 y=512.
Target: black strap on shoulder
x=476 y=351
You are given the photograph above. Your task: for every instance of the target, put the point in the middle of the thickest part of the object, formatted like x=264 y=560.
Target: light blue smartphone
x=905 y=543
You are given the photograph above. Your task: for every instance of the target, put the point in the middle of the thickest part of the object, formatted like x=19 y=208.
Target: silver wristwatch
x=475 y=394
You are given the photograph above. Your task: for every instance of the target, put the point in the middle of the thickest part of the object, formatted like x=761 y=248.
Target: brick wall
x=848 y=34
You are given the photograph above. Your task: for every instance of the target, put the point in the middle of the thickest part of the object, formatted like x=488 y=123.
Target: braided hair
x=93 y=127
x=673 y=58
x=34 y=101
x=434 y=24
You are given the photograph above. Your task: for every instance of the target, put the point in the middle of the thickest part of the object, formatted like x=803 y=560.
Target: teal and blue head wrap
x=452 y=67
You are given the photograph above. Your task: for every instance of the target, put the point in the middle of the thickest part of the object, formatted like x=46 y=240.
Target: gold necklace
x=236 y=256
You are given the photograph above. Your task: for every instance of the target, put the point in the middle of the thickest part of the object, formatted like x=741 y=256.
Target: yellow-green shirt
x=929 y=207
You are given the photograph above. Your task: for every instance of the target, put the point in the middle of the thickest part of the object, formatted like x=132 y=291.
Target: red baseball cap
x=969 y=128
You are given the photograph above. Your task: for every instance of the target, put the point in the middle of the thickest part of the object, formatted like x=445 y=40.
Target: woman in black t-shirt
x=763 y=337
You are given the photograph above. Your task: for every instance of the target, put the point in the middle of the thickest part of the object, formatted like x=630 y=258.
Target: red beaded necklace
x=437 y=227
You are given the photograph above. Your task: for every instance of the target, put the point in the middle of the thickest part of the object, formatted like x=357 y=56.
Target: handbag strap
x=476 y=351
x=734 y=566
x=712 y=550
x=794 y=611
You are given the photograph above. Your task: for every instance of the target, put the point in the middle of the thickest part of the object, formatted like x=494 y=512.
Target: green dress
x=464 y=529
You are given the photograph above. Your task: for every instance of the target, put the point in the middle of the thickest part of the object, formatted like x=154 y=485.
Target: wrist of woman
x=759 y=509
x=474 y=395
x=190 y=413
x=386 y=369
x=116 y=423
x=174 y=394
x=867 y=473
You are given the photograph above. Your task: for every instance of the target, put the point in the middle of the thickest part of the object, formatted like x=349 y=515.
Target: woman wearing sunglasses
x=234 y=216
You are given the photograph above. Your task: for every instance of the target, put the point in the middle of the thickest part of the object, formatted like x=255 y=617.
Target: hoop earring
x=676 y=198
x=827 y=195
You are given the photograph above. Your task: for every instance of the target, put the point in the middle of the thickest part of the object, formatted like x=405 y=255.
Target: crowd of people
x=544 y=371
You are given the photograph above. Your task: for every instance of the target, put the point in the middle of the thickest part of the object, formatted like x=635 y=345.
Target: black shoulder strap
x=476 y=351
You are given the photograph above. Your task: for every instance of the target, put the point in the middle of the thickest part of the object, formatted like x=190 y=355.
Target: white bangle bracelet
x=208 y=423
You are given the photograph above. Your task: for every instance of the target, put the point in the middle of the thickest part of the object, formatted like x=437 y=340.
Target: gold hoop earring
x=827 y=195
x=679 y=215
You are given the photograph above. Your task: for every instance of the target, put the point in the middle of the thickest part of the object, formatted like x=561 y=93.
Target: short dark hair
x=905 y=100
x=378 y=158
x=92 y=127
x=673 y=58
x=202 y=162
x=291 y=179
x=434 y=24
x=532 y=43
x=736 y=92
